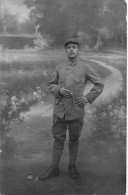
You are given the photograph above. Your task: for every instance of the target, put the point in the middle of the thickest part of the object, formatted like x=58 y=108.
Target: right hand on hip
x=64 y=92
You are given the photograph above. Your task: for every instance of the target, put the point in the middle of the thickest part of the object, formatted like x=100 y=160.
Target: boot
x=72 y=171
x=51 y=172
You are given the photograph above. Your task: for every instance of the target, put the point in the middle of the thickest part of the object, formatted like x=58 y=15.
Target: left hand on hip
x=81 y=101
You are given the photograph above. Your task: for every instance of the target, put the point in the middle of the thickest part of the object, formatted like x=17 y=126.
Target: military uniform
x=72 y=76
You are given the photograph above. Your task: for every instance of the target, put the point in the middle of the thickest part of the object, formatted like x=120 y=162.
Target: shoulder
x=60 y=66
x=84 y=64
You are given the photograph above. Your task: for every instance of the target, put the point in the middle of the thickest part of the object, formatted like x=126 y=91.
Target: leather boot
x=72 y=171
x=51 y=172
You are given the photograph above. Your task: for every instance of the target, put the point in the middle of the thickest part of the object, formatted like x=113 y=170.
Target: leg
x=74 y=134
x=59 y=132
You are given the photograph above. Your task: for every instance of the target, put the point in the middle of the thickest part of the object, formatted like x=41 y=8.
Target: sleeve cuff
x=59 y=91
x=87 y=100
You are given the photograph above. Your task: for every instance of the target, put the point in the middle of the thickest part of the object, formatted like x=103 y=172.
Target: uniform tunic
x=74 y=77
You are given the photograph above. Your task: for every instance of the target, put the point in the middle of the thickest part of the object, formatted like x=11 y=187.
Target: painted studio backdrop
x=32 y=36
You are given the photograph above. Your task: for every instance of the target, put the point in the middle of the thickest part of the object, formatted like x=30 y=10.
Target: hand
x=64 y=92
x=81 y=101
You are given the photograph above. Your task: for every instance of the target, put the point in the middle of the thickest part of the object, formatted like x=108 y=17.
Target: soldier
x=67 y=86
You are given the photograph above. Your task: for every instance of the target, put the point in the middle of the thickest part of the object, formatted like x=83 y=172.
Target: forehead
x=72 y=45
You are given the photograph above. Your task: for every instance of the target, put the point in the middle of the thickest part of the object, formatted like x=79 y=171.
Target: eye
x=68 y=47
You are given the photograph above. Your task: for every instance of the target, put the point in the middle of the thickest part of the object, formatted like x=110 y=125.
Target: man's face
x=72 y=50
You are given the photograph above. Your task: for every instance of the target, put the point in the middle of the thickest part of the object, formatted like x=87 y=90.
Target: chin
x=72 y=56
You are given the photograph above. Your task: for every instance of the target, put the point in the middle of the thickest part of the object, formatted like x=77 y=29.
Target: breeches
x=60 y=127
x=59 y=132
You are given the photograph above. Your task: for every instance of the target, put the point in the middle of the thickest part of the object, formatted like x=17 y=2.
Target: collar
x=72 y=63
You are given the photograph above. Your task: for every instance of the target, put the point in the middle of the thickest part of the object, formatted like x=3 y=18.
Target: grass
x=25 y=76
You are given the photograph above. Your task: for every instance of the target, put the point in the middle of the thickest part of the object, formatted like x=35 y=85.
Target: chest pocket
x=79 y=81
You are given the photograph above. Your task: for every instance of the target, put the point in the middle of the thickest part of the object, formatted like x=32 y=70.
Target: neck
x=72 y=59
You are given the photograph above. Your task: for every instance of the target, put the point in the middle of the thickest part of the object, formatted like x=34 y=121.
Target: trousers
x=59 y=128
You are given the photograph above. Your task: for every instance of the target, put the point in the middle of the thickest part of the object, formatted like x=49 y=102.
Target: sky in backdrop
x=15 y=7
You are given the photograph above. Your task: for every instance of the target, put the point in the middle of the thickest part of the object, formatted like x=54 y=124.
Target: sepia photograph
x=63 y=100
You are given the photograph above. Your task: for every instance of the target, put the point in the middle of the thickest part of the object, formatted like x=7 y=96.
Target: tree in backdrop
x=8 y=23
x=27 y=27
x=118 y=23
x=100 y=19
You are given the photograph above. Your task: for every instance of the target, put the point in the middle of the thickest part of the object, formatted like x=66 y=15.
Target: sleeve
x=98 y=87
x=53 y=84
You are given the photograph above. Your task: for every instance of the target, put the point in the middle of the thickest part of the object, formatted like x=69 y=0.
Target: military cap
x=72 y=40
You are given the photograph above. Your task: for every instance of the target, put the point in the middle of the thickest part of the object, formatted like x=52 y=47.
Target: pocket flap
x=61 y=80
x=79 y=80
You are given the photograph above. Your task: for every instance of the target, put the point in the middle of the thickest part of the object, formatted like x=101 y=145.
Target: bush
x=109 y=118
x=12 y=106
x=10 y=109
x=42 y=42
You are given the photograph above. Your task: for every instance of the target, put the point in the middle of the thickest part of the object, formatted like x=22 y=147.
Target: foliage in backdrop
x=100 y=19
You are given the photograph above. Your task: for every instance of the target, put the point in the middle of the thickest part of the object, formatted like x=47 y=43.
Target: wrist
x=59 y=91
x=86 y=100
